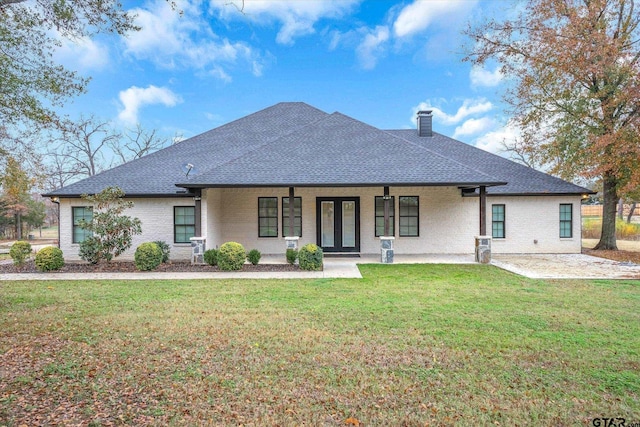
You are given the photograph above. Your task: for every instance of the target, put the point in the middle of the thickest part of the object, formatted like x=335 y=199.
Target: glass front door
x=338 y=224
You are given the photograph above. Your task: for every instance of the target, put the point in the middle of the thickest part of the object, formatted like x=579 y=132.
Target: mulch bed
x=178 y=266
x=621 y=256
x=129 y=267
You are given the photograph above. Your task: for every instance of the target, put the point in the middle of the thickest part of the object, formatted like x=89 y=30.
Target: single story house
x=294 y=170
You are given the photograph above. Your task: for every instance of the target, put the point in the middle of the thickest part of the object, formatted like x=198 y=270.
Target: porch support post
x=483 y=242
x=483 y=210
x=291 y=211
x=198 y=210
x=386 y=199
x=198 y=242
x=386 y=241
x=291 y=239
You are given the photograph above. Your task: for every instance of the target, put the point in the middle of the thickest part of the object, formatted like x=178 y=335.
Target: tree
x=33 y=85
x=137 y=143
x=81 y=147
x=575 y=65
x=35 y=214
x=112 y=232
x=58 y=172
x=16 y=186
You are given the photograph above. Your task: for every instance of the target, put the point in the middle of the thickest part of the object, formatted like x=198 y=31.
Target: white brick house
x=236 y=182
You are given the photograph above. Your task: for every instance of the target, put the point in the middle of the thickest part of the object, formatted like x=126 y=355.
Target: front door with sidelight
x=338 y=223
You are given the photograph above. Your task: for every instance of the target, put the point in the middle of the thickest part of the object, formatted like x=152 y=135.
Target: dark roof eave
x=362 y=184
x=127 y=195
x=566 y=193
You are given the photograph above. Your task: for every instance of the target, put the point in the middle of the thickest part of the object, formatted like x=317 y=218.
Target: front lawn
x=407 y=345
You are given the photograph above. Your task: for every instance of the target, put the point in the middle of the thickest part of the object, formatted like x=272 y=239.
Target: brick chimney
x=425 y=120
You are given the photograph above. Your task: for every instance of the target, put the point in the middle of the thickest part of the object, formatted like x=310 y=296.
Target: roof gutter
x=362 y=184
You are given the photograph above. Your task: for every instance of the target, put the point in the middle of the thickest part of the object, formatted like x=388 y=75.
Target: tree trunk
x=631 y=210
x=608 y=236
x=18 y=226
x=620 y=208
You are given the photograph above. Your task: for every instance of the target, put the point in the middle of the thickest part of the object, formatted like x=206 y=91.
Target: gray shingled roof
x=157 y=173
x=520 y=179
x=294 y=144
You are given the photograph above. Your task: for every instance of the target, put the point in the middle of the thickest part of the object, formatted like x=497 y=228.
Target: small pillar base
x=292 y=242
x=386 y=249
x=483 y=249
x=198 y=247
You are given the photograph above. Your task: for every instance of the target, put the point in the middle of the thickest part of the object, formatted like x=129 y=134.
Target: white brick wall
x=532 y=225
x=448 y=222
x=157 y=224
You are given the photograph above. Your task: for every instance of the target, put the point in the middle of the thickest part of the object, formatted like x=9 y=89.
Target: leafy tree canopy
x=575 y=68
x=33 y=85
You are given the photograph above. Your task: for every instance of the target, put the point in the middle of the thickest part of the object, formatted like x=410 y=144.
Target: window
x=80 y=213
x=380 y=216
x=297 y=216
x=566 y=220
x=184 y=223
x=267 y=217
x=409 y=224
x=497 y=221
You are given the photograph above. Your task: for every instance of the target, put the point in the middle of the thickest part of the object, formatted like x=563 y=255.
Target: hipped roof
x=295 y=144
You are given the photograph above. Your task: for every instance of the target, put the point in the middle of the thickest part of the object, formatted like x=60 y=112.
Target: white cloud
x=173 y=40
x=135 y=97
x=469 y=107
x=493 y=141
x=417 y=16
x=473 y=127
x=84 y=53
x=297 y=18
x=482 y=77
x=372 y=47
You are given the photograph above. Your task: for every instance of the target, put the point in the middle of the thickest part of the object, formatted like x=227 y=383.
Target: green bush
x=90 y=250
x=165 y=248
x=231 y=256
x=111 y=230
x=20 y=251
x=49 y=258
x=292 y=256
x=310 y=257
x=148 y=256
x=254 y=256
x=211 y=256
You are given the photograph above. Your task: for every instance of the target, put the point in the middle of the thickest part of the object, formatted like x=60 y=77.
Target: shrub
x=292 y=256
x=49 y=258
x=165 y=248
x=310 y=257
x=148 y=256
x=112 y=232
x=90 y=250
x=254 y=256
x=211 y=256
x=19 y=252
x=231 y=256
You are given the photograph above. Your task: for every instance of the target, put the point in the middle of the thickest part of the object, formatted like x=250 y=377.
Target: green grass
x=407 y=345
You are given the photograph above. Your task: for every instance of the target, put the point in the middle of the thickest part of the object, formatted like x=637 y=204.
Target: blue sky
x=377 y=61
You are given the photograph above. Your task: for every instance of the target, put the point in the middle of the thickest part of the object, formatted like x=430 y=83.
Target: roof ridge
x=259 y=147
